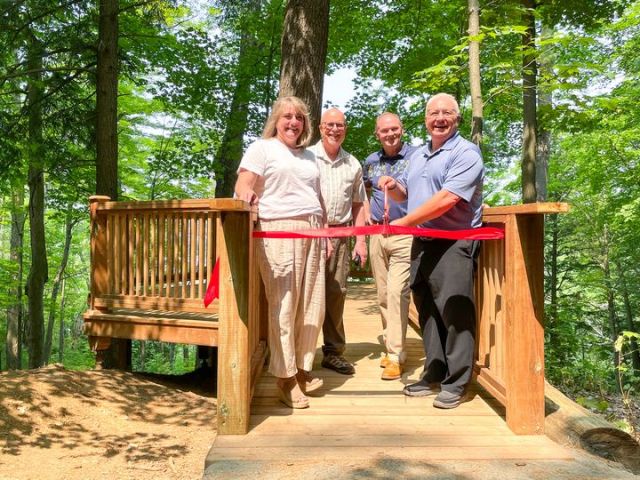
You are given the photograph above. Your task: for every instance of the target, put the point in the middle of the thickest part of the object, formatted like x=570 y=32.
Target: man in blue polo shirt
x=390 y=255
x=443 y=185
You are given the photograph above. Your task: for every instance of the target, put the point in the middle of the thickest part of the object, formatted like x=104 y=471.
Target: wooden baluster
x=185 y=256
x=146 y=244
x=201 y=259
x=161 y=253
x=193 y=240
x=136 y=219
x=170 y=253
x=130 y=258
x=111 y=266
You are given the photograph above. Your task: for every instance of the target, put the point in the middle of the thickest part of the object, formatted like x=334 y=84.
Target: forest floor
x=72 y=425
x=64 y=424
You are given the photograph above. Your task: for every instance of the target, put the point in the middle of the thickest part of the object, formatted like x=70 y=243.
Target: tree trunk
x=185 y=355
x=68 y=236
x=230 y=152
x=474 y=73
x=612 y=320
x=172 y=356
x=545 y=102
x=304 y=51
x=629 y=324
x=61 y=330
x=552 y=316
x=107 y=101
x=16 y=256
x=119 y=353
x=39 y=271
x=529 y=94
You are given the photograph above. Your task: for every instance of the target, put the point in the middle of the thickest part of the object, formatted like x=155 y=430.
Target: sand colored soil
x=61 y=424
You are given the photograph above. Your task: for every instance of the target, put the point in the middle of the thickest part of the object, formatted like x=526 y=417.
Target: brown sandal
x=307 y=382
x=286 y=387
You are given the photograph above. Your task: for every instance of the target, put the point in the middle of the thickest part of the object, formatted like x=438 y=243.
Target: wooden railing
x=151 y=265
x=152 y=261
x=510 y=313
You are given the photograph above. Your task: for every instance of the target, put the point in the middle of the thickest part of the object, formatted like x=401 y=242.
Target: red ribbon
x=213 y=289
x=481 y=233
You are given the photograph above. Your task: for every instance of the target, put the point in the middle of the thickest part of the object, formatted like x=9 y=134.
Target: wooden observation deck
x=152 y=263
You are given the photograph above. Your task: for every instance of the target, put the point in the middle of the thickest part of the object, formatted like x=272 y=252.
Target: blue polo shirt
x=378 y=164
x=456 y=167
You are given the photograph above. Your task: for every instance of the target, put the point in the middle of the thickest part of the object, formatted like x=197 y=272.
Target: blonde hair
x=276 y=112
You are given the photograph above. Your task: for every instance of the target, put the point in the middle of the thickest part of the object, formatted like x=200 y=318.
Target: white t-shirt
x=288 y=183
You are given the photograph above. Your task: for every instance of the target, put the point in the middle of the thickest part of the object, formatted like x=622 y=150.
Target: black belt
x=376 y=222
x=346 y=224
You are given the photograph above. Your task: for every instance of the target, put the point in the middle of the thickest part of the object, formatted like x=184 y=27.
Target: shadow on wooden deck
x=360 y=426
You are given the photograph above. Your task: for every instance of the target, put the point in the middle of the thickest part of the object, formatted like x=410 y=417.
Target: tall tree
x=119 y=353
x=15 y=310
x=38 y=271
x=107 y=101
x=529 y=103
x=305 y=36
x=474 y=72
x=229 y=153
x=70 y=222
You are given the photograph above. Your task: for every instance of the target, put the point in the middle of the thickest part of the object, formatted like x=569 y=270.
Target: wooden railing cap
x=528 y=208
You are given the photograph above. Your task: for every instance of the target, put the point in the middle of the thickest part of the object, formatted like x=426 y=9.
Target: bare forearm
x=436 y=206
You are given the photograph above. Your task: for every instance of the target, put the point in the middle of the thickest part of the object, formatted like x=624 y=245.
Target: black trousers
x=442 y=284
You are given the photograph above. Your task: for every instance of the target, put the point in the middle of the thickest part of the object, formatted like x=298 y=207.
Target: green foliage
x=598 y=405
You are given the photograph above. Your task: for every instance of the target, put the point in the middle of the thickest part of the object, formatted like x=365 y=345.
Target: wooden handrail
x=159 y=255
x=510 y=313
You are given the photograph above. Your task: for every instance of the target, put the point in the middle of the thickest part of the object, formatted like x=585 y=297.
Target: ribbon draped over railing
x=481 y=233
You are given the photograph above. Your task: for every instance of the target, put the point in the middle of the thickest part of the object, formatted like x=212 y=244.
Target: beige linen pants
x=293 y=274
x=390 y=258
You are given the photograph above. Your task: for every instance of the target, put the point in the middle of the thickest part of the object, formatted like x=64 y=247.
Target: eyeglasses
x=444 y=113
x=336 y=125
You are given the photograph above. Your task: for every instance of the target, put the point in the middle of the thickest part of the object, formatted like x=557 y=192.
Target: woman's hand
x=244 y=187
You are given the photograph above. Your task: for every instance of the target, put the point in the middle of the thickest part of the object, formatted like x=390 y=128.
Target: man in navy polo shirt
x=443 y=185
x=390 y=255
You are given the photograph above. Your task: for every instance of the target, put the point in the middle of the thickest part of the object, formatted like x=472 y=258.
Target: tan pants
x=390 y=258
x=293 y=274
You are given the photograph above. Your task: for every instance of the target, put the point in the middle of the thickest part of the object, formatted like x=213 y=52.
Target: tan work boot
x=384 y=360
x=392 y=371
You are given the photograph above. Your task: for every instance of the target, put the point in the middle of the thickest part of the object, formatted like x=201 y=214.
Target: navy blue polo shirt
x=378 y=164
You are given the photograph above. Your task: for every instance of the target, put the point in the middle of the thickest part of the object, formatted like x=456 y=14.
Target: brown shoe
x=392 y=371
x=384 y=360
x=289 y=393
x=307 y=382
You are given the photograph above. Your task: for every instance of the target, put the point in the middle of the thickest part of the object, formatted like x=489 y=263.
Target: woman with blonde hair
x=279 y=175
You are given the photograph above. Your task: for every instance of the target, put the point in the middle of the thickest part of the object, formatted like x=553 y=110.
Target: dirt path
x=60 y=424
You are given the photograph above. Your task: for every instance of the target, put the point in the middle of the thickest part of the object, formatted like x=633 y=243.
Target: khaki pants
x=390 y=258
x=293 y=274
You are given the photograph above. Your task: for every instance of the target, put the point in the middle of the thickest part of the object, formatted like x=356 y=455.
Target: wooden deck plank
x=450 y=453
x=363 y=417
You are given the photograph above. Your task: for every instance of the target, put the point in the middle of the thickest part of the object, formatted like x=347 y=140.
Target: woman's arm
x=244 y=186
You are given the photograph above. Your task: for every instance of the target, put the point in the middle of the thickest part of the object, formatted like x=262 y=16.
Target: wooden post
x=524 y=295
x=100 y=272
x=234 y=389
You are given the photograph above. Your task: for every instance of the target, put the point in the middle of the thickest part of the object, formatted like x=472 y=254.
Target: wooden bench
x=151 y=265
x=510 y=313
